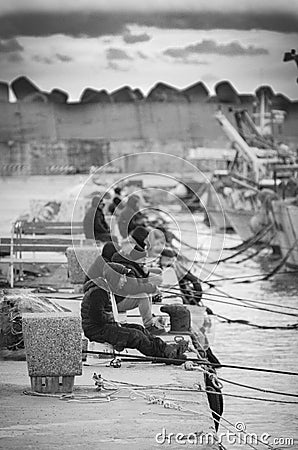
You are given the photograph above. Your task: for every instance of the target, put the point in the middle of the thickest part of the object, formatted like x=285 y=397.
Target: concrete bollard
x=53 y=347
x=79 y=260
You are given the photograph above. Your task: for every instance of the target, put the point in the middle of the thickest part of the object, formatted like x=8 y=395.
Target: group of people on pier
x=128 y=276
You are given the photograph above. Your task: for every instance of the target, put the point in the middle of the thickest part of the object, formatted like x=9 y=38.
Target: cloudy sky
x=73 y=44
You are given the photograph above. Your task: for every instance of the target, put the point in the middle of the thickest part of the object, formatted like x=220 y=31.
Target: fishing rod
x=158 y=359
x=286 y=272
x=254 y=388
x=290 y=326
x=247 y=301
x=223 y=294
x=235 y=304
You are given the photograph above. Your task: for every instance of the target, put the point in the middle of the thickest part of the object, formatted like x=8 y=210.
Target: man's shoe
x=176 y=351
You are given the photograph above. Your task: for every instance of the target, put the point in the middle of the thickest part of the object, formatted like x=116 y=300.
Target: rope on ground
x=173 y=404
x=170 y=403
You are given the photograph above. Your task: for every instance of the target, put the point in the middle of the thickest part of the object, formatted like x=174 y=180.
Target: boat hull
x=240 y=221
x=218 y=219
x=286 y=220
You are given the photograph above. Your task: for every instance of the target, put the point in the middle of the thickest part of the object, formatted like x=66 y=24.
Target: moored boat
x=240 y=221
x=286 y=220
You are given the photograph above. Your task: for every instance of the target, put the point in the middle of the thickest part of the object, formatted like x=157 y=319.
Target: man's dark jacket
x=95 y=224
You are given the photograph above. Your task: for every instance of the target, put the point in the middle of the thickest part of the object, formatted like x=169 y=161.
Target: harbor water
x=244 y=345
x=233 y=343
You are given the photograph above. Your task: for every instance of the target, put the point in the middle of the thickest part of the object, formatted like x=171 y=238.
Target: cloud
x=42 y=59
x=116 y=67
x=96 y=22
x=15 y=57
x=51 y=60
x=208 y=46
x=10 y=45
x=142 y=55
x=117 y=54
x=130 y=38
x=63 y=58
x=133 y=6
x=209 y=77
x=191 y=61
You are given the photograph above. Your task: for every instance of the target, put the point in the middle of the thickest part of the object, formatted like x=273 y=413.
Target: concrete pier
x=145 y=417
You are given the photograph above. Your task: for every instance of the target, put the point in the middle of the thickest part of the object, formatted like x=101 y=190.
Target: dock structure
x=140 y=406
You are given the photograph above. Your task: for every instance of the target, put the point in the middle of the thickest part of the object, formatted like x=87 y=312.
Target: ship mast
x=240 y=145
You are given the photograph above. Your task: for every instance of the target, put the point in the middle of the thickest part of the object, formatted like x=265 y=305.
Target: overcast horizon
x=106 y=45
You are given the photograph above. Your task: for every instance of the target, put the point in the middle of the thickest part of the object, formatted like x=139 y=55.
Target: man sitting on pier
x=99 y=324
x=95 y=225
x=126 y=301
x=189 y=284
x=116 y=201
x=135 y=263
x=130 y=217
x=96 y=268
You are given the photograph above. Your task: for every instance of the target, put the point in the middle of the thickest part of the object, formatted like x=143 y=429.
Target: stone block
x=53 y=344
x=58 y=96
x=79 y=260
x=4 y=92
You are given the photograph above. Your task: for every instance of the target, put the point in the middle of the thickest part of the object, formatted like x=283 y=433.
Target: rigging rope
x=283 y=261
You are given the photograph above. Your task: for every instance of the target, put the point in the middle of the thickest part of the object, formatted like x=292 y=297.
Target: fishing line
x=244 y=300
x=215 y=297
x=246 y=305
x=293 y=326
x=254 y=388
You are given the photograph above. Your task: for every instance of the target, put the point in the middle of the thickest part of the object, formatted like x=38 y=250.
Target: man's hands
x=155 y=276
